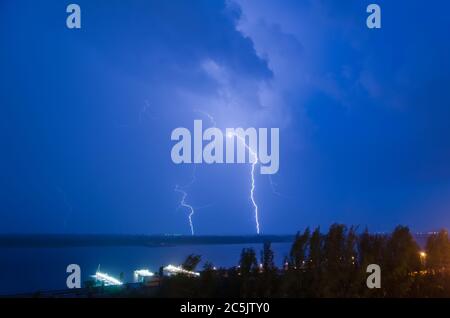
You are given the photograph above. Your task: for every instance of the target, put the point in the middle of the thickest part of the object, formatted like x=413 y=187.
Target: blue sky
x=86 y=115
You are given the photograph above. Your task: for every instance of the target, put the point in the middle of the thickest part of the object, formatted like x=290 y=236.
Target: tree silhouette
x=402 y=259
x=438 y=251
x=191 y=262
x=248 y=263
x=267 y=262
x=331 y=264
x=299 y=249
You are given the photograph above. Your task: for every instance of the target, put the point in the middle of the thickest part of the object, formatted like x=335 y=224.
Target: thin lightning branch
x=186 y=205
x=146 y=112
x=183 y=199
x=273 y=186
x=193 y=179
x=210 y=117
x=143 y=110
x=252 y=190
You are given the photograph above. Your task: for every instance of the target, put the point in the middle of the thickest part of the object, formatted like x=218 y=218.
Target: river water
x=25 y=270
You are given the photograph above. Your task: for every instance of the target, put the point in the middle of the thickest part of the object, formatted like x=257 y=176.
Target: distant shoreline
x=96 y=240
x=62 y=240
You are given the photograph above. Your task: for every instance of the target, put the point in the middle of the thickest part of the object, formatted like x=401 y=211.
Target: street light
x=423 y=257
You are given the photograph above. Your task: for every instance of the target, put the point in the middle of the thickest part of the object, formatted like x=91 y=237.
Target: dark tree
x=191 y=262
x=315 y=250
x=334 y=261
x=209 y=281
x=248 y=263
x=437 y=256
x=402 y=261
x=208 y=266
x=371 y=250
x=268 y=264
x=299 y=249
x=314 y=284
x=350 y=270
x=248 y=271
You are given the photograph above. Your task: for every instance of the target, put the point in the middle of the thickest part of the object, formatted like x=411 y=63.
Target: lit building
x=106 y=280
x=174 y=270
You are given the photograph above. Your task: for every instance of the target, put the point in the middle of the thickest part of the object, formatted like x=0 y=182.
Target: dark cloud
x=364 y=113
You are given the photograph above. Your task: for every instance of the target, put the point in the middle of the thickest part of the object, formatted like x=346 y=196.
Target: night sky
x=86 y=115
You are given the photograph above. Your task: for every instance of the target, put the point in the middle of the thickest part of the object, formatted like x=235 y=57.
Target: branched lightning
x=254 y=163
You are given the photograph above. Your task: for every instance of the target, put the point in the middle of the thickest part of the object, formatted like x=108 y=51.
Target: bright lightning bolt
x=254 y=163
x=252 y=189
x=186 y=205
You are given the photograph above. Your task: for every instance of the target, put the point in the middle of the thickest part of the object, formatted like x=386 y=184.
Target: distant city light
x=171 y=269
x=143 y=273
x=107 y=279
